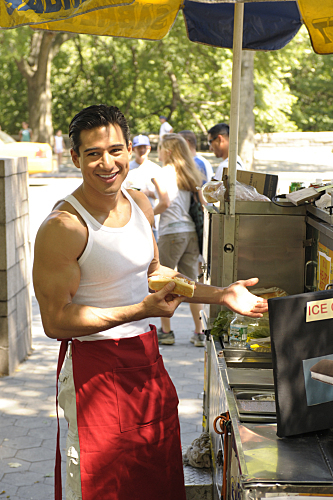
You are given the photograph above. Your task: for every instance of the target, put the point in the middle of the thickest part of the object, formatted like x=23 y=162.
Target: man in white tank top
x=93 y=256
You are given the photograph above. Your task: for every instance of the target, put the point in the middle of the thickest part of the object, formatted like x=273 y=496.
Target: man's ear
x=75 y=158
x=130 y=150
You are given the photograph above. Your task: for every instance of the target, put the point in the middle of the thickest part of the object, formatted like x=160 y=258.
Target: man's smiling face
x=104 y=158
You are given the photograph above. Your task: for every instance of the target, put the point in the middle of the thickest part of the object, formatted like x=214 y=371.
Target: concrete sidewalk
x=28 y=418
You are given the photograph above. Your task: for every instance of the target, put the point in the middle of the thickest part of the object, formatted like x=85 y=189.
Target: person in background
x=218 y=141
x=165 y=127
x=142 y=170
x=203 y=165
x=178 y=241
x=25 y=133
x=93 y=256
x=59 y=147
x=207 y=173
x=141 y=149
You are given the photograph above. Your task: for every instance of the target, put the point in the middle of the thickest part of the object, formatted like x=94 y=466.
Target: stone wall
x=15 y=264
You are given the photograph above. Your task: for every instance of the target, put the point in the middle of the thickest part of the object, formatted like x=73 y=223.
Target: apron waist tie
x=57 y=471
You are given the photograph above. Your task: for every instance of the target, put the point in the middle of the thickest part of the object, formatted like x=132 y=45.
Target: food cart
x=289 y=247
x=240 y=241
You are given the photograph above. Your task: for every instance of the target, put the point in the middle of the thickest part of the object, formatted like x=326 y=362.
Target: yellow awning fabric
x=318 y=18
x=15 y=13
x=150 y=21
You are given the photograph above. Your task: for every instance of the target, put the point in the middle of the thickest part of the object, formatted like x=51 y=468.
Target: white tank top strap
x=133 y=204
x=86 y=216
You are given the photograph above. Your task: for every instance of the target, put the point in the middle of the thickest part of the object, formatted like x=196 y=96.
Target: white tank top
x=114 y=267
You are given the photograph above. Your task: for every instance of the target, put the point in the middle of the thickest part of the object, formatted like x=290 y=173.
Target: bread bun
x=183 y=286
x=209 y=191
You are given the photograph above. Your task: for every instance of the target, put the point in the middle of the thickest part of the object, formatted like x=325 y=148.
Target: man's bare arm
x=236 y=296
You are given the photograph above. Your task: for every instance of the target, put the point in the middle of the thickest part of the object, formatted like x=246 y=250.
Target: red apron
x=127 y=421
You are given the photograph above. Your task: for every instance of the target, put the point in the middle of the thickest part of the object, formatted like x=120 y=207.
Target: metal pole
x=228 y=250
x=234 y=104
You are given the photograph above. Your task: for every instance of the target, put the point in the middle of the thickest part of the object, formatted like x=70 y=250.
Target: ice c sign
x=318 y=310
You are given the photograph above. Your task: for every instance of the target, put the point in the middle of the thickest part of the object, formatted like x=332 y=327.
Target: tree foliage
x=173 y=77
x=189 y=83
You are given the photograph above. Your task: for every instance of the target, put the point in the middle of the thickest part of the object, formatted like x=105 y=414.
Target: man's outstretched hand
x=240 y=300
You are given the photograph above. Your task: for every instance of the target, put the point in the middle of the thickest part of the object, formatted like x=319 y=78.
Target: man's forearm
x=235 y=296
x=203 y=294
x=76 y=320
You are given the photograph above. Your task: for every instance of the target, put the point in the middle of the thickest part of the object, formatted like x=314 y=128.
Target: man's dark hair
x=98 y=115
x=190 y=137
x=219 y=129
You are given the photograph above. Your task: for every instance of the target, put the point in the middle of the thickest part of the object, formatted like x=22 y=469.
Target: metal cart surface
x=280 y=246
x=258 y=463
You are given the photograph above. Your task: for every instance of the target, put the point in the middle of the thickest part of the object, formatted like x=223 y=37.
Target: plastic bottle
x=238 y=331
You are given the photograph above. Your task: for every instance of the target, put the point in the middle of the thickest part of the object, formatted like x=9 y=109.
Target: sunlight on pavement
x=189 y=406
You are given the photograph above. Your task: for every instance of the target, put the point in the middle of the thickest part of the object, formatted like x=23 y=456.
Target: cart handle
x=224 y=424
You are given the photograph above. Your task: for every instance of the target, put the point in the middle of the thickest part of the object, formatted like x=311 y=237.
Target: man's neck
x=95 y=202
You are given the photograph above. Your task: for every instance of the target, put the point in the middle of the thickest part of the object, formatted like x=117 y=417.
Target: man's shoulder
x=142 y=202
x=63 y=216
x=62 y=225
x=62 y=236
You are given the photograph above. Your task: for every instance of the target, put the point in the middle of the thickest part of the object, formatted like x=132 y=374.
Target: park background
x=47 y=77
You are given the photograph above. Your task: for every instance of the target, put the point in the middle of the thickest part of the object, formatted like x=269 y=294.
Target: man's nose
x=108 y=160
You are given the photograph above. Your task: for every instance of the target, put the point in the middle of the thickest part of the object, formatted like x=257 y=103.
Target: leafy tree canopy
x=189 y=83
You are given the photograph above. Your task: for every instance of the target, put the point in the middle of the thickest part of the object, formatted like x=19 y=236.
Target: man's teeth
x=108 y=176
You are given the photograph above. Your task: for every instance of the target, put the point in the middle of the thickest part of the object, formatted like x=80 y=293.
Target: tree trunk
x=36 y=69
x=246 y=118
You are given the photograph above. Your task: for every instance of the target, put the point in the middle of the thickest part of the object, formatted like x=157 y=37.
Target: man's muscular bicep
x=56 y=273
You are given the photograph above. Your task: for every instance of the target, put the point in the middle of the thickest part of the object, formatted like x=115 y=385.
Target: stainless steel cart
x=280 y=246
x=257 y=463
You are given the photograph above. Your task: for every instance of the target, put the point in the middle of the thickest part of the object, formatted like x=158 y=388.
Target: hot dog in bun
x=183 y=286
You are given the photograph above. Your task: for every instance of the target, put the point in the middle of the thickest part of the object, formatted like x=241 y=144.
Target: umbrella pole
x=228 y=252
x=235 y=99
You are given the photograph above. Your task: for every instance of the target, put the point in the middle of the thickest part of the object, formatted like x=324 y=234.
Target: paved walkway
x=28 y=418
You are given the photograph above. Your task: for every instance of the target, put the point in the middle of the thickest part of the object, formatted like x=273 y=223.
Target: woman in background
x=59 y=147
x=178 y=241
